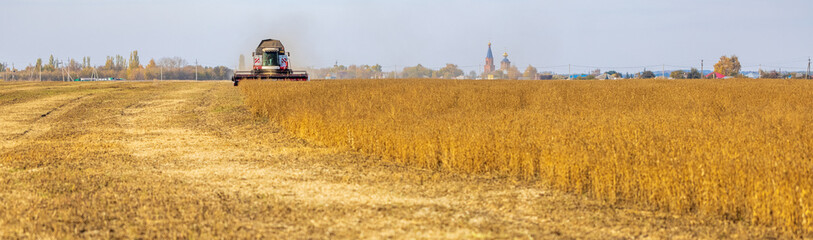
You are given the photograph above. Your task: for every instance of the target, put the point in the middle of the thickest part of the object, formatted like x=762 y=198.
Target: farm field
x=379 y=159
x=738 y=150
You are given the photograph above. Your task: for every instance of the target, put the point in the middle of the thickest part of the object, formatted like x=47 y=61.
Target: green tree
x=418 y=71
x=729 y=66
x=694 y=74
x=38 y=66
x=135 y=63
x=513 y=73
x=771 y=74
x=647 y=74
x=73 y=65
x=362 y=72
x=530 y=72
x=377 y=68
x=449 y=71
x=86 y=62
x=677 y=74
x=121 y=63
x=134 y=70
x=51 y=63
x=377 y=71
x=108 y=64
x=151 y=71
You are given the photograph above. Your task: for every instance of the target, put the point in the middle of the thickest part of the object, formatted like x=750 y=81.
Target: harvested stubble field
x=190 y=160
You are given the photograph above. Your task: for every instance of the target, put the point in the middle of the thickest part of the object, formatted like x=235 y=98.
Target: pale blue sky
x=617 y=34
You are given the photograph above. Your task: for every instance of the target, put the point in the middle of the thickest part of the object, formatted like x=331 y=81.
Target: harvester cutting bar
x=248 y=75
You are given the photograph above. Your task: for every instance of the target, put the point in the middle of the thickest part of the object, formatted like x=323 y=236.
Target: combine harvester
x=270 y=63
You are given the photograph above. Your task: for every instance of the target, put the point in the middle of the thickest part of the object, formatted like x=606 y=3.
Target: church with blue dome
x=489 y=68
x=505 y=64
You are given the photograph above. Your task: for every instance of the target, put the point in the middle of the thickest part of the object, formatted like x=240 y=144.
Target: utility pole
x=68 y=70
x=569 y=73
x=808 y=67
x=62 y=72
x=702 y=73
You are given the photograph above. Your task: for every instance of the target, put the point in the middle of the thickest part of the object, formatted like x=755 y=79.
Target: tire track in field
x=72 y=103
x=21 y=119
x=22 y=93
x=28 y=119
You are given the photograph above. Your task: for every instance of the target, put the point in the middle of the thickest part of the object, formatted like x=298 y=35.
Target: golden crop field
x=739 y=150
x=189 y=160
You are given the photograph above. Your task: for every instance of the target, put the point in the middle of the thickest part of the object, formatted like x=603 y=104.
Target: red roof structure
x=715 y=75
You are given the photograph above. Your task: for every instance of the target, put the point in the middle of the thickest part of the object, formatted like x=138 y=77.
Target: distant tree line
x=449 y=71
x=452 y=71
x=786 y=75
x=117 y=67
x=692 y=74
x=176 y=68
x=348 y=72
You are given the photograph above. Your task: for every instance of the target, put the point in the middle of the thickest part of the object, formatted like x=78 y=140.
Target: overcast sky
x=614 y=35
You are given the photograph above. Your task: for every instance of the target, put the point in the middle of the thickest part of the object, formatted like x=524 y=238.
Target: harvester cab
x=271 y=59
x=270 y=63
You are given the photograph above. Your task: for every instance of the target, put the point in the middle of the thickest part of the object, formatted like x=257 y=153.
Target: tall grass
x=736 y=149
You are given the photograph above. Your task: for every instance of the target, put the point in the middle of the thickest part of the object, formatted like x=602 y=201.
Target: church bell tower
x=489 y=61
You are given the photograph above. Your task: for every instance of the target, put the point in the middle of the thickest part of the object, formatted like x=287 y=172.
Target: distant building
x=715 y=75
x=489 y=68
x=751 y=74
x=576 y=76
x=505 y=64
x=489 y=61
